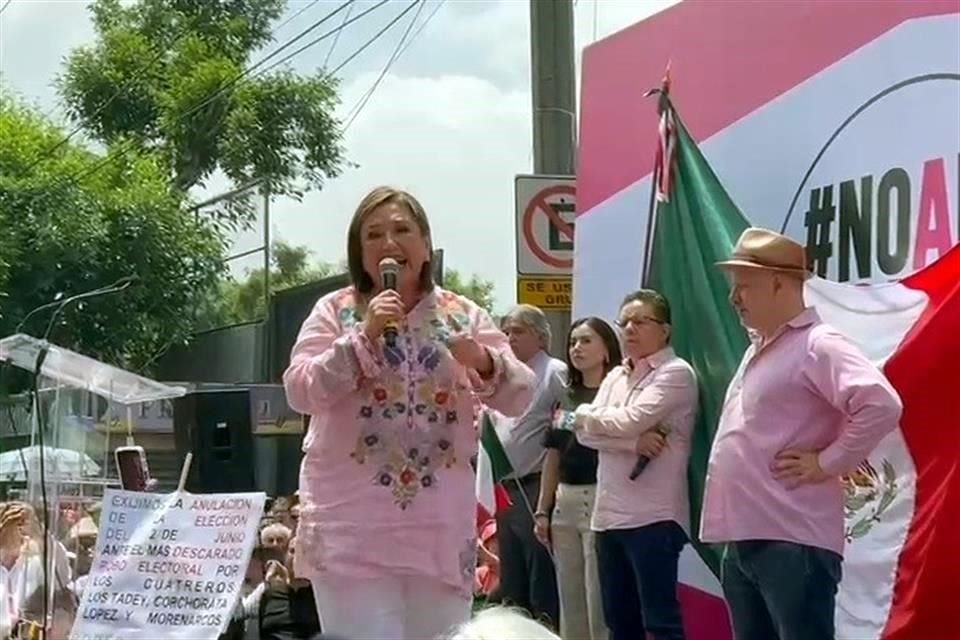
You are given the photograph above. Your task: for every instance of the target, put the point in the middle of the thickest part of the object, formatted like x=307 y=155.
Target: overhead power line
x=376 y=37
x=319 y=39
x=422 y=26
x=296 y=15
x=47 y=153
x=336 y=39
x=404 y=43
x=122 y=150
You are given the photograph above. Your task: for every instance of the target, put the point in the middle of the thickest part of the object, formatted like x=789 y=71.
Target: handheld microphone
x=643 y=461
x=389 y=269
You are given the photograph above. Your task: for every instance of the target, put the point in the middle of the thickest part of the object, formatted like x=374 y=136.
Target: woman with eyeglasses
x=640 y=423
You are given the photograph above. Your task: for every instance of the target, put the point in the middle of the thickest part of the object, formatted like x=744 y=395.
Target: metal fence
x=249 y=239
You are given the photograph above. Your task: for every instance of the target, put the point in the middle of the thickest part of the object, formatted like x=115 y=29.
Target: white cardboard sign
x=168 y=566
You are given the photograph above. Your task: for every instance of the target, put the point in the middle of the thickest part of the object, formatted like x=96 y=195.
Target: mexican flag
x=492 y=466
x=901 y=567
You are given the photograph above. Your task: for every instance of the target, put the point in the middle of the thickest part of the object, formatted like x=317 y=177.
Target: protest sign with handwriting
x=168 y=566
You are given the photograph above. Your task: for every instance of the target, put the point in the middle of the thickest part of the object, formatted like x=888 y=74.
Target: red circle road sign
x=539 y=203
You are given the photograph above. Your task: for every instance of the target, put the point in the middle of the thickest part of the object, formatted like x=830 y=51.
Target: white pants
x=575 y=556
x=398 y=608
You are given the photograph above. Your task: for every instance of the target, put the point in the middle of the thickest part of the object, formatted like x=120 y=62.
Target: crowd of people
x=70 y=545
x=398 y=376
x=393 y=368
x=274 y=603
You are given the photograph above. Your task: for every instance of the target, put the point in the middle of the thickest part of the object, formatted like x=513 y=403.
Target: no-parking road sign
x=545 y=212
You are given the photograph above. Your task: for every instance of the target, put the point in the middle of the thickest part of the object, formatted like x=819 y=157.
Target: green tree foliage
x=66 y=229
x=243 y=301
x=476 y=288
x=162 y=77
x=238 y=301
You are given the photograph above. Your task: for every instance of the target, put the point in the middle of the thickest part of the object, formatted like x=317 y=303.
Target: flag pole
x=663 y=159
x=651 y=222
x=529 y=506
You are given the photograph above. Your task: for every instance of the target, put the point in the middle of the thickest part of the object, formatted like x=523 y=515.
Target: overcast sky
x=451 y=121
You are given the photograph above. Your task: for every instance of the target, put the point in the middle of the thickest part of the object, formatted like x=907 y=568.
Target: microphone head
x=389 y=266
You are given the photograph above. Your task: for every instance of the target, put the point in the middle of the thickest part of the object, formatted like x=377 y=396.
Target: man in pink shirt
x=804 y=408
x=644 y=408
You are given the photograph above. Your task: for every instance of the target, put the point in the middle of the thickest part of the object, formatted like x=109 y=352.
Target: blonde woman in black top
x=568 y=484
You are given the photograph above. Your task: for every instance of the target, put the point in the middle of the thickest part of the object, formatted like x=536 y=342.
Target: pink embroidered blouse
x=386 y=483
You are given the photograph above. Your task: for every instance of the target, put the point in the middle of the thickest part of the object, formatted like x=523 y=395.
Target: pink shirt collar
x=652 y=361
x=802 y=320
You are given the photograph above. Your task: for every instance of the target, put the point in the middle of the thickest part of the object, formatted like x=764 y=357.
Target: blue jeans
x=781 y=590
x=638 y=581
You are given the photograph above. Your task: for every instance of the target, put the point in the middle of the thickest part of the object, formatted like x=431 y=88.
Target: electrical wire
x=355 y=111
x=319 y=39
x=123 y=149
x=216 y=94
x=294 y=16
x=379 y=34
x=336 y=39
x=423 y=26
x=286 y=45
x=403 y=50
x=48 y=153
x=376 y=37
x=5 y=5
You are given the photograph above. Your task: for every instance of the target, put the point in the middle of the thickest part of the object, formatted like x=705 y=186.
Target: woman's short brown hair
x=361 y=280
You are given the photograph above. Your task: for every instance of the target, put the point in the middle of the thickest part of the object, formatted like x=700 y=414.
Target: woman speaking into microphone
x=387 y=524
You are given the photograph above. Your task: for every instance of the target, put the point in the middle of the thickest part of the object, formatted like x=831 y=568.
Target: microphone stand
x=119 y=285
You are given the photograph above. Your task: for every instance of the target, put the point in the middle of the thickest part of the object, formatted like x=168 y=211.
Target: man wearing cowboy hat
x=804 y=408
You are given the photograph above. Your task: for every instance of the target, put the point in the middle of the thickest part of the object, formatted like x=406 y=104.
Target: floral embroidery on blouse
x=449 y=318
x=349 y=316
x=408 y=417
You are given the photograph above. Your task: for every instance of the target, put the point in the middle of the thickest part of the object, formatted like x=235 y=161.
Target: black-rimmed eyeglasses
x=638 y=321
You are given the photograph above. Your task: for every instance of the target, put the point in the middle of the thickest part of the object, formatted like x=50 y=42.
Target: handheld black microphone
x=389 y=269
x=643 y=461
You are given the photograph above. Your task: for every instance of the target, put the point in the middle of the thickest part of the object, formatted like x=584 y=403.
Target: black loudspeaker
x=215 y=425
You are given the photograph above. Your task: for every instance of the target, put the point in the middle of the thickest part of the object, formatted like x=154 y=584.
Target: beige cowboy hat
x=764 y=249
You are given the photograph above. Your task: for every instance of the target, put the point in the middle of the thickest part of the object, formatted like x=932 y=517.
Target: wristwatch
x=541 y=514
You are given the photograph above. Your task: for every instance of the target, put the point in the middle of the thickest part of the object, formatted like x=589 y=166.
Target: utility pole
x=553 y=84
x=267 y=326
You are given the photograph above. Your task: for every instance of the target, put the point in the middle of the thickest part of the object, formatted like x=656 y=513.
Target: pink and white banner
x=838 y=123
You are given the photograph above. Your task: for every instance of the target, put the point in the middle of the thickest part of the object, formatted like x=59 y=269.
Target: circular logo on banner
x=539 y=205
